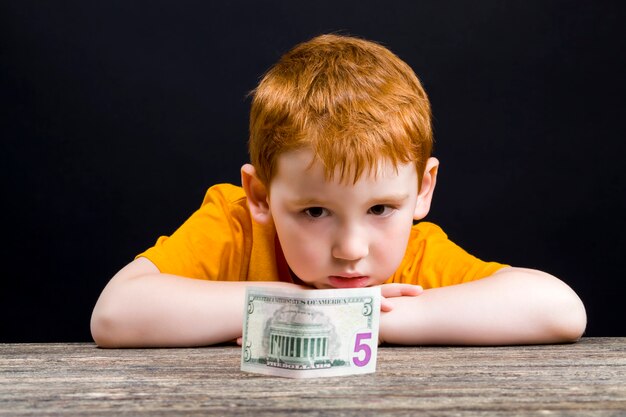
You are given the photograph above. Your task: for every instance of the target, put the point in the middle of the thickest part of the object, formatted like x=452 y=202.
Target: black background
x=116 y=117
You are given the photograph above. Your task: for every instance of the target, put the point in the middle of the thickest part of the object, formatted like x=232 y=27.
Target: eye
x=380 y=210
x=316 y=212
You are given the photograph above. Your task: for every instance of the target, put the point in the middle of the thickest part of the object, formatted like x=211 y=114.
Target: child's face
x=337 y=234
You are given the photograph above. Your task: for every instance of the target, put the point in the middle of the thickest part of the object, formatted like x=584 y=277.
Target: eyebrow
x=307 y=202
x=395 y=198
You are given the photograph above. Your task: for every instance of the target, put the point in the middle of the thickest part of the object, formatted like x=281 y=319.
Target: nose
x=351 y=244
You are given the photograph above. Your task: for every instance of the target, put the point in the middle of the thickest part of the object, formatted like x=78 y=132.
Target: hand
x=397 y=290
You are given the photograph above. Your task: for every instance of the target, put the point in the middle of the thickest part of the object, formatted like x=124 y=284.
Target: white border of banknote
x=310 y=333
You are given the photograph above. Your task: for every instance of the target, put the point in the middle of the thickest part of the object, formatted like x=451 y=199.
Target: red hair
x=351 y=101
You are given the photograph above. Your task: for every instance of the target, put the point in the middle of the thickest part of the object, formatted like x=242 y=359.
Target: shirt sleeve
x=212 y=243
x=432 y=260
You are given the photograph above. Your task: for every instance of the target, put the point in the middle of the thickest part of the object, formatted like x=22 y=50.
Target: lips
x=357 y=281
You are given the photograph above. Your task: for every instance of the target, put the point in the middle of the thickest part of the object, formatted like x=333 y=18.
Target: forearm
x=166 y=310
x=514 y=306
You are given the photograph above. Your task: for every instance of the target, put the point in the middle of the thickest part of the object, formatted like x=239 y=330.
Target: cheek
x=305 y=258
x=390 y=245
x=295 y=245
x=302 y=247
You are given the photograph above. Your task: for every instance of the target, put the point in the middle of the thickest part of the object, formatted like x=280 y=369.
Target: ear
x=257 y=194
x=425 y=194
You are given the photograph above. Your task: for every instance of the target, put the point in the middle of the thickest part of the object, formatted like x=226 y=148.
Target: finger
x=399 y=290
x=385 y=305
x=239 y=340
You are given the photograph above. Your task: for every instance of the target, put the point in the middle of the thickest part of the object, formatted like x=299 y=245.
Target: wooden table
x=587 y=378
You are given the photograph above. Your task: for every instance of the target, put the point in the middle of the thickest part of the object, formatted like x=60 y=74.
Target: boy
x=340 y=142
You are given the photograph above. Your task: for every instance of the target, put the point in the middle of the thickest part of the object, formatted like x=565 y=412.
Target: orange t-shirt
x=221 y=242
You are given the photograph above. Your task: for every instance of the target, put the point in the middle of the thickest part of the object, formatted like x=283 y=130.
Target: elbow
x=114 y=321
x=559 y=314
x=568 y=319
x=104 y=327
x=110 y=326
x=575 y=327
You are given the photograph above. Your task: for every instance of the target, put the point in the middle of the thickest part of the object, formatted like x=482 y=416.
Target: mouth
x=338 y=281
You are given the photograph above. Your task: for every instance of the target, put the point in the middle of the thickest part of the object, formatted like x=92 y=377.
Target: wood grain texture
x=586 y=378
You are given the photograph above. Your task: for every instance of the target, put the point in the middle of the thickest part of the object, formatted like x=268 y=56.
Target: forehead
x=301 y=172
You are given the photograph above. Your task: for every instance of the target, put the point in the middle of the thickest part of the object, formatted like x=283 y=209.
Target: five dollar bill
x=310 y=333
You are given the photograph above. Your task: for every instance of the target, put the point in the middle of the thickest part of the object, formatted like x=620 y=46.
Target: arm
x=512 y=306
x=140 y=307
